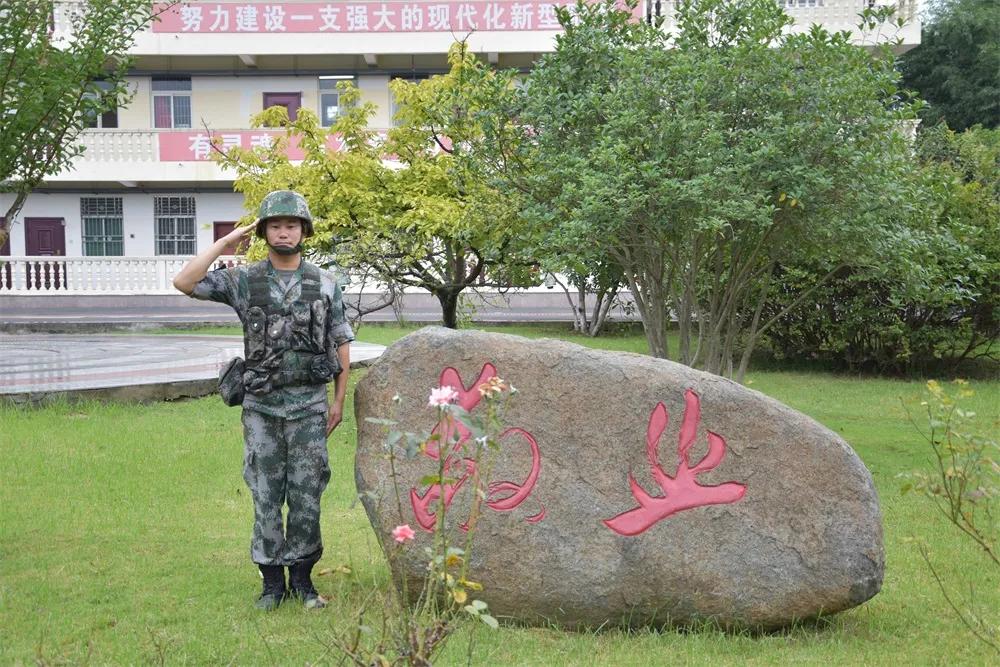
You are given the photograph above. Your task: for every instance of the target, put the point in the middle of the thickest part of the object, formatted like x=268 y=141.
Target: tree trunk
x=581 y=306
x=652 y=310
x=601 y=309
x=11 y=214
x=577 y=326
x=397 y=302
x=751 y=338
x=449 y=307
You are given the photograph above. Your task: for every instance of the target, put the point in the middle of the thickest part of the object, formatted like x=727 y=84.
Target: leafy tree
x=956 y=68
x=586 y=274
x=433 y=219
x=890 y=318
x=48 y=88
x=701 y=166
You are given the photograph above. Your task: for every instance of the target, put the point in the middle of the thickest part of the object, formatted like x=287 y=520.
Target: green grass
x=624 y=338
x=124 y=539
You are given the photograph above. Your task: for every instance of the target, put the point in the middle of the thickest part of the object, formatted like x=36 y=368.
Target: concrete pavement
x=65 y=313
x=38 y=368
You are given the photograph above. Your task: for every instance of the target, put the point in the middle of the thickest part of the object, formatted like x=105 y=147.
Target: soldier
x=296 y=340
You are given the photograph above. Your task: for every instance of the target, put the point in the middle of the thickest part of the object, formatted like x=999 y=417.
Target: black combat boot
x=301 y=584
x=274 y=587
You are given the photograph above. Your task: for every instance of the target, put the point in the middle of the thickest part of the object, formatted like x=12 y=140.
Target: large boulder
x=632 y=491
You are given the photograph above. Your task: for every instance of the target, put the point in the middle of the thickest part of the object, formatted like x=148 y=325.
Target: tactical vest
x=285 y=345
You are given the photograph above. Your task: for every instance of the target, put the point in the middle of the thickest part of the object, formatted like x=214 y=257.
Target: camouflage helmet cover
x=284 y=203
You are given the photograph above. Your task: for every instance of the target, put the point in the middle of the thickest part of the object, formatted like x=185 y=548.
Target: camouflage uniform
x=285 y=460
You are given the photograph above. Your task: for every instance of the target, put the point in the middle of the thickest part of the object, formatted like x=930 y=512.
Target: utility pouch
x=254 y=333
x=231 y=382
x=319 y=314
x=321 y=370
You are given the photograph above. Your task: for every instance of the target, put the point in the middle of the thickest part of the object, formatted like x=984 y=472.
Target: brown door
x=46 y=237
x=291 y=101
x=223 y=228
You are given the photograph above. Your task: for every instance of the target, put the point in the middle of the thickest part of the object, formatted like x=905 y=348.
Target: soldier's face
x=283 y=232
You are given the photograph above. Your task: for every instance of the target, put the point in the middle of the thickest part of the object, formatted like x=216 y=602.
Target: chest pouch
x=286 y=343
x=254 y=334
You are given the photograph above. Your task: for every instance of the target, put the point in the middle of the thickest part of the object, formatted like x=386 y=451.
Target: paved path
x=79 y=314
x=37 y=368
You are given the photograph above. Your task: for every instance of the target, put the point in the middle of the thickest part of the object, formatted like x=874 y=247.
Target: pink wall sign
x=345 y=17
x=503 y=495
x=191 y=146
x=682 y=491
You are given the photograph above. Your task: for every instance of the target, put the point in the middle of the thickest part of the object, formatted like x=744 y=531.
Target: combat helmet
x=282 y=203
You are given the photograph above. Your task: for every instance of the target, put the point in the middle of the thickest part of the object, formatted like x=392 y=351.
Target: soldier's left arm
x=336 y=414
x=339 y=337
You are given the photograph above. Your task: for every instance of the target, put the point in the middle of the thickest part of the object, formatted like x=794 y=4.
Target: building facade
x=146 y=192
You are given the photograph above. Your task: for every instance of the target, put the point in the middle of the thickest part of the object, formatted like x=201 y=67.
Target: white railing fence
x=94 y=275
x=119 y=146
x=834 y=15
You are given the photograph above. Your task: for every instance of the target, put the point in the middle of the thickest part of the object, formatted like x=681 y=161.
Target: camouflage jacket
x=230 y=286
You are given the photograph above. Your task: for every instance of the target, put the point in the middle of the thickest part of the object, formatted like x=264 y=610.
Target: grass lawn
x=124 y=539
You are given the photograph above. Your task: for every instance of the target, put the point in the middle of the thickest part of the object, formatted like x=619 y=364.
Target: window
x=291 y=101
x=329 y=99
x=109 y=118
x=172 y=103
x=175 y=225
x=102 y=223
x=412 y=78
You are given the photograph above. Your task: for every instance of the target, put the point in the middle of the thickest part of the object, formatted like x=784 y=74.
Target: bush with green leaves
x=700 y=161
x=911 y=313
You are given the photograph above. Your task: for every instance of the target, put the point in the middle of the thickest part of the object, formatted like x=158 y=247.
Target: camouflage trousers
x=285 y=462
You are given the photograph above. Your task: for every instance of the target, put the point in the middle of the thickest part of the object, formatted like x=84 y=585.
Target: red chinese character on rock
x=502 y=496
x=682 y=491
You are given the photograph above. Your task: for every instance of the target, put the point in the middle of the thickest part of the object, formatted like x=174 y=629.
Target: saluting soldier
x=296 y=340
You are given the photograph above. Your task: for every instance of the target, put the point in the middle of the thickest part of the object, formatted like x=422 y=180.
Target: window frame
x=174 y=216
x=106 y=120
x=327 y=85
x=171 y=94
x=105 y=209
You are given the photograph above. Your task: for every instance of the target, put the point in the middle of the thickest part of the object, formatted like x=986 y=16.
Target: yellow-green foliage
x=428 y=216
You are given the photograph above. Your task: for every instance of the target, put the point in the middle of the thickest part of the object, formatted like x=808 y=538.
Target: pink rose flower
x=441 y=396
x=403 y=533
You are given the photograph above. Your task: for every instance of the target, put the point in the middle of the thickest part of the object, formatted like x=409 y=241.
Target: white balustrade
x=834 y=15
x=119 y=146
x=95 y=275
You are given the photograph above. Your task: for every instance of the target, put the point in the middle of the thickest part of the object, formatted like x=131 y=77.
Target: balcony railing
x=94 y=275
x=119 y=146
x=186 y=145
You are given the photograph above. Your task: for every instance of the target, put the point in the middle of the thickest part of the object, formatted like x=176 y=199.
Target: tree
x=433 y=219
x=52 y=86
x=956 y=68
x=701 y=166
x=892 y=318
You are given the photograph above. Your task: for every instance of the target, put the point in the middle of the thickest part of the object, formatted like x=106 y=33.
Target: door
x=45 y=237
x=223 y=228
x=291 y=101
